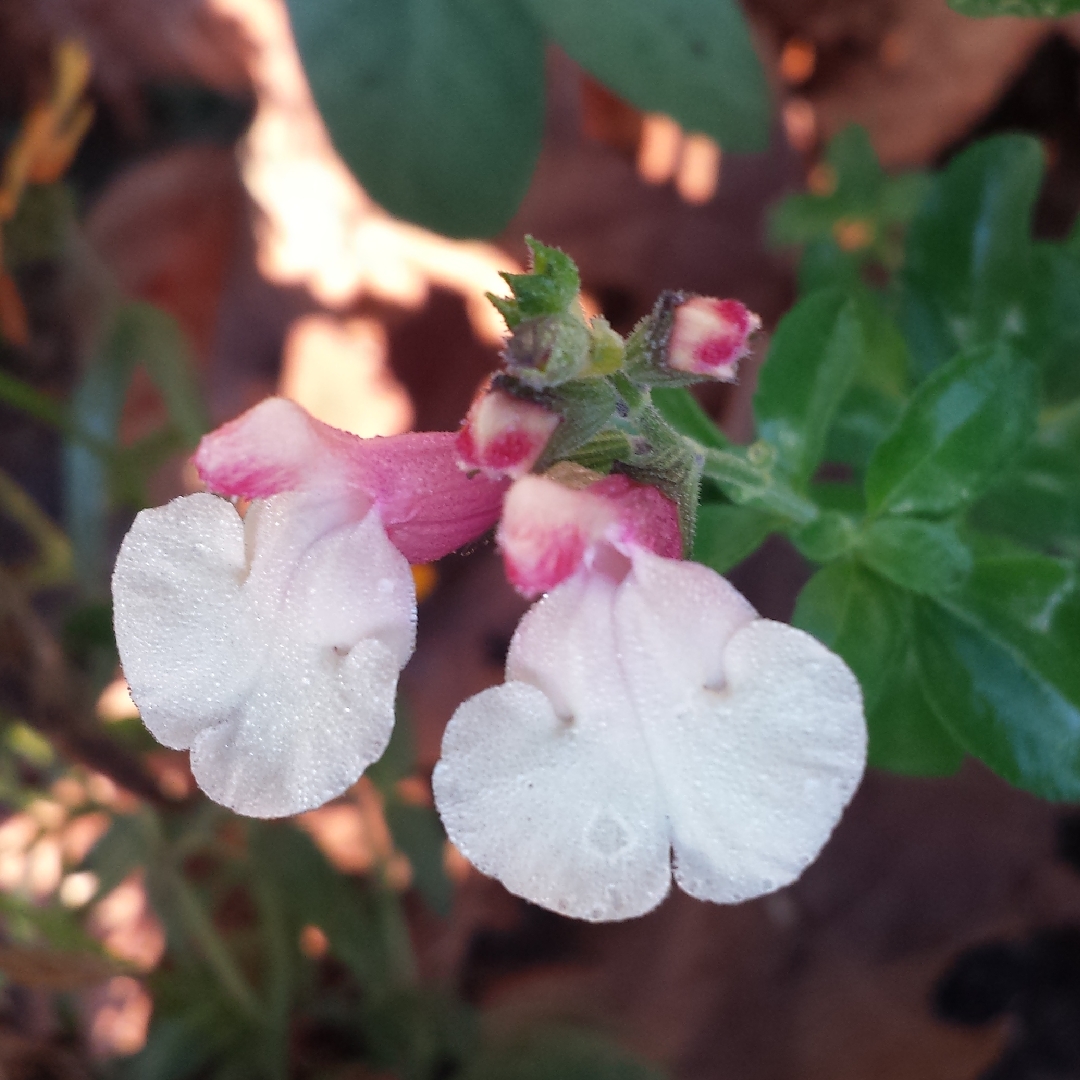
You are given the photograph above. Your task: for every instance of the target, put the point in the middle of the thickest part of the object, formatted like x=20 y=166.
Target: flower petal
x=756 y=771
x=428 y=505
x=270 y=646
x=274 y=447
x=545 y=783
x=179 y=613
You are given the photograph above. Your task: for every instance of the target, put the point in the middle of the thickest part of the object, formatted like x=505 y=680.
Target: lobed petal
x=756 y=775
x=646 y=717
x=270 y=646
x=542 y=785
x=183 y=626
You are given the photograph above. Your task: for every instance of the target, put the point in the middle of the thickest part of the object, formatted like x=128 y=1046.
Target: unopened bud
x=553 y=525
x=503 y=435
x=709 y=337
x=549 y=350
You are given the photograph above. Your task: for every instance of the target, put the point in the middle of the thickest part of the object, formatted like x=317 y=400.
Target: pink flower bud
x=709 y=337
x=503 y=435
x=549 y=530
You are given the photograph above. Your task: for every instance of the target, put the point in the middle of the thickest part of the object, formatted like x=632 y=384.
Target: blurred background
x=181 y=240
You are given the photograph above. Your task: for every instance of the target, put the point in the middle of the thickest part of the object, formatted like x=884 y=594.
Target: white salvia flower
x=270 y=644
x=650 y=721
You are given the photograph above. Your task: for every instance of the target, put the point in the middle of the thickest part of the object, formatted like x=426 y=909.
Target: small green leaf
x=999 y=660
x=549 y=288
x=692 y=59
x=867 y=621
x=968 y=258
x=862 y=194
x=436 y=105
x=815 y=353
x=1035 y=9
x=923 y=556
x=965 y=424
x=726 y=534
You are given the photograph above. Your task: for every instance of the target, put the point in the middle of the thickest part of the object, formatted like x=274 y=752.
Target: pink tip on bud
x=709 y=337
x=550 y=529
x=503 y=435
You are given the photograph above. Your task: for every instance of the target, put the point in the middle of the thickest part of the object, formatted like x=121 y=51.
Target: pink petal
x=428 y=506
x=711 y=336
x=548 y=530
x=503 y=435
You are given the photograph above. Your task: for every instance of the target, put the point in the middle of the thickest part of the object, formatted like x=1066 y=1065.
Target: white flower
x=270 y=644
x=649 y=721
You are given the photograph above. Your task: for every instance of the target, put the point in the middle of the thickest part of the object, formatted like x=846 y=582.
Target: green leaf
x=136 y=333
x=966 y=423
x=419 y=835
x=436 y=105
x=867 y=622
x=354 y=919
x=129 y=844
x=968 y=257
x=1000 y=666
x=815 y=353
x=1052 y=329
x=1038 y=502
x=681 y=410
x=861 y=192
x=923 y=556
x=549 y=288
x=1037 y=9
x=692 y=59
x=163 y=350
x=726 y=534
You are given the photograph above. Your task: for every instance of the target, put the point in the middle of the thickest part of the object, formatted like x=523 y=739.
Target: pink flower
x=504 y=435
x=270 y=644
x=650 y=722
x=709 y=337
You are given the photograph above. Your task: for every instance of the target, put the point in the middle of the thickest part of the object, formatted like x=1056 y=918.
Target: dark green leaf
x=961 y=428
x=436 y=105
x=692 y=59
x=727 y=534
x=923 y=556
x=906 y=734
x=1052 y=330
x=1038 y=9
x=1000 y=666
x=867 y=621
x=968 y=258
x=815 y=353
x=1038 y=502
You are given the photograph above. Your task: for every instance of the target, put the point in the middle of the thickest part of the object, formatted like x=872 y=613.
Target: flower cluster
x=649 y=720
